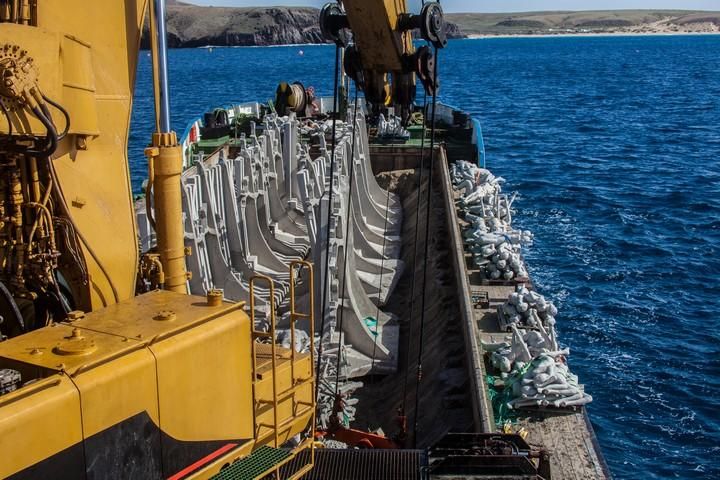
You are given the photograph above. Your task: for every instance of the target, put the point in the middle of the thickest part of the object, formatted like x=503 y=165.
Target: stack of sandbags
x=525 y=308
x=547 y=382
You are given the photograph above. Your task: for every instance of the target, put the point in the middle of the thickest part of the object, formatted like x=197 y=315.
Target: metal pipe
x=160 y=73
x=167 y=161
x=24 y=12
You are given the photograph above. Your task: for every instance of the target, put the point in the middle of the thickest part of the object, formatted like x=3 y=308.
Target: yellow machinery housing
x=161 y=385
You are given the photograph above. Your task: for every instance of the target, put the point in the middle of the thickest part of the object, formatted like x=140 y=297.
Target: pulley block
x=332 y=21
x=424 y=66
x=353 y=66
x=430 y=22
x=432 y=27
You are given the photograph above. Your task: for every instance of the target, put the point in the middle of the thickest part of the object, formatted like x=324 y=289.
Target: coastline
x=491 y=36
x=585 y=34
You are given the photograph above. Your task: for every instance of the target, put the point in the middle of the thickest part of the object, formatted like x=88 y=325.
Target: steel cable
x=418 y=189
x=329 y=218
x=351 y=174
x=427 y=241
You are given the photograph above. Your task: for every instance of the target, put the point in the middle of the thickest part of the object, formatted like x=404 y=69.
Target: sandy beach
x=585 y=34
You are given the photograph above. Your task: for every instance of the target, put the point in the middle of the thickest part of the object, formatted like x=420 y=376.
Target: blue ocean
x=613 y=144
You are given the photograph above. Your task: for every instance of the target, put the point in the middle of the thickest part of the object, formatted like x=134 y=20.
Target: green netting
x=499 y=397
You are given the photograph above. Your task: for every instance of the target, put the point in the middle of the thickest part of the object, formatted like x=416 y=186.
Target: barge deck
x=567 y=435
x=453 y=396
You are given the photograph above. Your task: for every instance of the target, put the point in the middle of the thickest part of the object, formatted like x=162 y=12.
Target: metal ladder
x=297 y=382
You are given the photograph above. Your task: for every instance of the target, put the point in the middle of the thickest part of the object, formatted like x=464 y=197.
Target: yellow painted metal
x=43 y=47
x=189 y=371
x=38 y=421
x=45 y=348
x=295 y=268
x=86 y=62
x=115 y=391
x=190 y=363
x=374 y=27
x=376 y=34
x=283 y=379
x=273 y=349
x=204 y=380
x=79 y=91
x=165 y=158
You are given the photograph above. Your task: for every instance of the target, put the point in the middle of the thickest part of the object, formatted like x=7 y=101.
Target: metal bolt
x=214 y=297
x=165 y=316
x=75 y=315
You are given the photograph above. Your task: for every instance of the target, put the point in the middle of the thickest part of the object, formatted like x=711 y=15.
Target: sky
x=506 y=5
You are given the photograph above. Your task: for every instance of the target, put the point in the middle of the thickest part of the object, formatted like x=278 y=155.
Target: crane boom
x=377 y=38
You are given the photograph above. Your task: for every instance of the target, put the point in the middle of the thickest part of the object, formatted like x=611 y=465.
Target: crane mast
x=379 y=54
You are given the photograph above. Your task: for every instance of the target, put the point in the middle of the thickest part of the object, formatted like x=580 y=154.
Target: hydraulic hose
x=13 y=306
x=63 y=111
x=52 y=136
x=7 y=116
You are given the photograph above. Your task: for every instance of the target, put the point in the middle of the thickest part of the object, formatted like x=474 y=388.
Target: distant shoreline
x=191 y=26
x=584 y=34
x=489 y=36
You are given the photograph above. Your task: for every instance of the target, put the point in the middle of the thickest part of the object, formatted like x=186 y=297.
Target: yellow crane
x=96 y=382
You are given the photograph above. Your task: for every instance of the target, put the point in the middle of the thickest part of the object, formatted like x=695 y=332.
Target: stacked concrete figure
x=490 y=237
x=531 y=363
x=261 y=202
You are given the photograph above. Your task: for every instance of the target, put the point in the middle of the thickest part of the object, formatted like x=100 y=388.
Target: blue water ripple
x=614 y=146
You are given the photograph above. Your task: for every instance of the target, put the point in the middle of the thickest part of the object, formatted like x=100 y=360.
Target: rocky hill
x=608 y=21
x=195 y=26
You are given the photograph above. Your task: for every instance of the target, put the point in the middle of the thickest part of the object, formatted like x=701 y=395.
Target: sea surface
x=613 y=144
